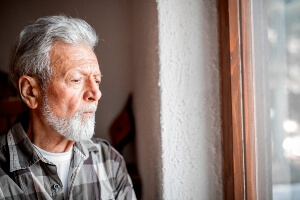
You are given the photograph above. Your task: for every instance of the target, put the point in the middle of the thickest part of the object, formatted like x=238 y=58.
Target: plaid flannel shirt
x=97 y=171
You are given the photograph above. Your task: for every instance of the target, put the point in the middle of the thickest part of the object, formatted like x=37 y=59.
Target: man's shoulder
x=4 y=156
x=3 y=140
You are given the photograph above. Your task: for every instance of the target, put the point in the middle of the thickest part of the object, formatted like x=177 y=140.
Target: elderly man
x=49 y=153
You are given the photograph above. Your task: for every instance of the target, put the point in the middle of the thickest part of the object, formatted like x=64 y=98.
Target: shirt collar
x=84 y=147
x=22 y=153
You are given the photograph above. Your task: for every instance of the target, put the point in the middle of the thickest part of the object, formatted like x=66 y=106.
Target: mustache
x=86 y=108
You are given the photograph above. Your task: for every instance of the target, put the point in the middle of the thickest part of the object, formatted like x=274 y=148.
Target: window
x=246 y=137
x=260 y=61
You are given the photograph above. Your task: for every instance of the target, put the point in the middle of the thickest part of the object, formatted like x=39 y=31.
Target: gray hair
x=30 y=56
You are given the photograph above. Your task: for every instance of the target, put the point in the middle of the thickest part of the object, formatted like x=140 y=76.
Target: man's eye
x=98 y=82
x=75 y=80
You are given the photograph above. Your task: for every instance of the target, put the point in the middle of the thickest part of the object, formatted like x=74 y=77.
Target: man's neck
x=42 y=135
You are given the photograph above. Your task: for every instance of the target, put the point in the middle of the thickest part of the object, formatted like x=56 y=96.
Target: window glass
x=284 y=83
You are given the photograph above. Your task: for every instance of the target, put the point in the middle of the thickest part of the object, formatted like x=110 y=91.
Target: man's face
x=72 y=95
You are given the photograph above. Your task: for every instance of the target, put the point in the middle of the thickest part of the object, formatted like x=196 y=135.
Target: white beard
x=75 y=128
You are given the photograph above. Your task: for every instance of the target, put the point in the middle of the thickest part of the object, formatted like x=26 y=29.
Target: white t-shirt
x=62 y=162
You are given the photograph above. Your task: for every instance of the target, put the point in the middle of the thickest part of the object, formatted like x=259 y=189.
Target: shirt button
x=55 y=186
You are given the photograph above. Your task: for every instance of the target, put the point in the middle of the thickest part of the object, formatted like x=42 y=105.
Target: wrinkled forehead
x=65 y=57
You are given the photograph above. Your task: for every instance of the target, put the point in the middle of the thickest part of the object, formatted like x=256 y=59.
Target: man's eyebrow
x=98 y=75
x=84 y=72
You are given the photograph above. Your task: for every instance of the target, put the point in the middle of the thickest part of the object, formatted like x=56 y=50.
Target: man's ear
x=29 y=91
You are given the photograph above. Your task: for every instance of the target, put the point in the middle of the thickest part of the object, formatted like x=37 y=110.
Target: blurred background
x=284 y=82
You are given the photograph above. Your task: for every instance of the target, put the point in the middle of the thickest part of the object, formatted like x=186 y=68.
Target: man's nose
x=92 y=92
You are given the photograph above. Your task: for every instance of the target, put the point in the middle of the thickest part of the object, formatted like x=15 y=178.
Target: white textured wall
x=190 y=99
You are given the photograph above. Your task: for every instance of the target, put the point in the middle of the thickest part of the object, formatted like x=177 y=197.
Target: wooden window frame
x=246 y=145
